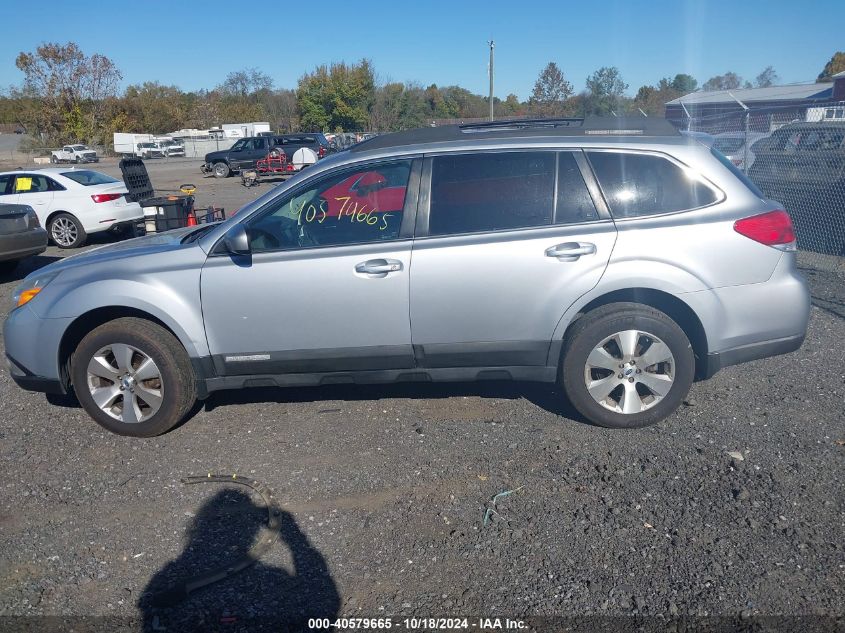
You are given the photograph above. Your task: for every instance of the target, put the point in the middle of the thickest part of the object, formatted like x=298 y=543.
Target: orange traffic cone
x=192 y=219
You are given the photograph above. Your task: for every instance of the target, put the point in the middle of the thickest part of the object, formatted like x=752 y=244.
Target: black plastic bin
x=172 y=212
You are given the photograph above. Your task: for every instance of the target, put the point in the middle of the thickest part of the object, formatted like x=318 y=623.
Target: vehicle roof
x=55 y=171
x=616 y=127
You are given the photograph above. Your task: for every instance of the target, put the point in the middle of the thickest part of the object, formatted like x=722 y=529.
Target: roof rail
x=524 y=128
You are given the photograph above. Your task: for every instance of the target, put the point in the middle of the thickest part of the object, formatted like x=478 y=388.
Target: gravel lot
x=733 y=507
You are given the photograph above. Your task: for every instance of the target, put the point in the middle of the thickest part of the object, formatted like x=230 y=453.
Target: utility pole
x=492 y=46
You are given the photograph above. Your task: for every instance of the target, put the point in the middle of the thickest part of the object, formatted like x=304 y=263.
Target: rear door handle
x=378 y=267
x=571 y=251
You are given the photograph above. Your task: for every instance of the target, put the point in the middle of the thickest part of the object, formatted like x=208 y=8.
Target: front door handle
x=571 y=251
x=378 y=267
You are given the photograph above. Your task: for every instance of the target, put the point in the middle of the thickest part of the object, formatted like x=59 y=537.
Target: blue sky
x=195 y=44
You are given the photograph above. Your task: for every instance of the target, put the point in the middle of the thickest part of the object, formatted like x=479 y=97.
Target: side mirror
x=236 y=240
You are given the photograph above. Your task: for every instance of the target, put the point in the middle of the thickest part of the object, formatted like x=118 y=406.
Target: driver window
x=353 y=207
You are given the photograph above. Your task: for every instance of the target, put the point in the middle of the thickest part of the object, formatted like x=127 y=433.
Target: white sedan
x=71 y=203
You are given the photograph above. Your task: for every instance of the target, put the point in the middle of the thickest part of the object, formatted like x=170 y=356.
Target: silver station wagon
x=614 y=257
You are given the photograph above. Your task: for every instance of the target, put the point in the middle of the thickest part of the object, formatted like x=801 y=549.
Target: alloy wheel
x=64 y=231
x=629 y=371
x=125 y=383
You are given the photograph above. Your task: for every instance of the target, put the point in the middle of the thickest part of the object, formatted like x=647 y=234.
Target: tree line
x=68 y=96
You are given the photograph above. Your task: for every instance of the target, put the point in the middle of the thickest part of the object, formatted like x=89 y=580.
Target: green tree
x=337 y=98
x=835 y=65
x=768 y=77
x=550 y=91
x=729 y=81
x=605 y=92
x=684 y=83
x=64 y=90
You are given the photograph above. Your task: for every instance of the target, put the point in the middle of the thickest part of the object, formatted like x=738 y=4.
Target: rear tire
x=627 y=356
x=66 y=231
x=7 y=267
x=221 y=170
x=133 y=362
x=54 y=160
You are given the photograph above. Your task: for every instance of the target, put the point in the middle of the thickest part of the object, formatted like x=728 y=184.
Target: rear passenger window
x=574 y=202
x=641 y=184
x=491 y=192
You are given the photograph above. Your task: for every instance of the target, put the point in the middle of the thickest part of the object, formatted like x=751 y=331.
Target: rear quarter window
x=637 y=185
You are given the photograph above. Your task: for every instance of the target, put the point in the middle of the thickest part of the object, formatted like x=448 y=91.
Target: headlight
x=30 y=287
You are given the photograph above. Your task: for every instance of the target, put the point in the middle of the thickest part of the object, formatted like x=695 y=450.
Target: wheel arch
x=86 y=322
x=671 y=305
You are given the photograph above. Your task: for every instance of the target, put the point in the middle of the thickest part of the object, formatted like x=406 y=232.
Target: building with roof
x=769 y=108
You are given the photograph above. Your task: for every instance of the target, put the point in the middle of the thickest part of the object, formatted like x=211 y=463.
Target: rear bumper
x=20 y=245
x=754 y=351
x=114 y=216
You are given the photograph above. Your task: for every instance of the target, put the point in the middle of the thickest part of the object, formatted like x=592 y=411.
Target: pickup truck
x=246 y=151
x=74 y=154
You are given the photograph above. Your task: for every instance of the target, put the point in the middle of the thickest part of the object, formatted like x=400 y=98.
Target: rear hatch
x=14 y=218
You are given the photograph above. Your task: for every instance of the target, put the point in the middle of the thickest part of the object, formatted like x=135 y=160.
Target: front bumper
x=32 y=347
x=25 y=379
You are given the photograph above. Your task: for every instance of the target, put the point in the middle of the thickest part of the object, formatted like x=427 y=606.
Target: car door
x=258 y=150
x=506 y=242
x=320 y=292
x=35 y=190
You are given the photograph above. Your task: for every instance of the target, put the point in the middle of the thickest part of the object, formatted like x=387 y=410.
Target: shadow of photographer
x=261 y=597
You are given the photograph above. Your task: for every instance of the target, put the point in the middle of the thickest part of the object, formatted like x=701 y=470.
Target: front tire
x=627 y=365
x=133 y=377
x=66 y=231
x=7 y=267
x=221 y=170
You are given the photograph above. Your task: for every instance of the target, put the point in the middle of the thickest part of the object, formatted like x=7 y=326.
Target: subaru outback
x=616 y=258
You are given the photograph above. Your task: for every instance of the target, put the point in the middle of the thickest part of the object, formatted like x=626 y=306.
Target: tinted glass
x=354 y=207
x=641 y=184
x=574 y=203
x=87 y=177
x=6 y=184
x=490 y=192
x=736 y=172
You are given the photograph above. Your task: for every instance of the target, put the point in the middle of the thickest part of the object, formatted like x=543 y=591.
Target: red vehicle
x=368 y=193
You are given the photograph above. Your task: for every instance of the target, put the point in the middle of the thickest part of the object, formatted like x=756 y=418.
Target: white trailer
x=244 y=130
x=127 y=144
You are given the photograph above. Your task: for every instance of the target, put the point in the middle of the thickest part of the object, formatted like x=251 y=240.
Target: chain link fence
x=797 y=157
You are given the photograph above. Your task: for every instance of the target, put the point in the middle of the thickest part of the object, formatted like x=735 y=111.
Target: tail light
x=321 y=153
x=772 y=229
x=105 y=197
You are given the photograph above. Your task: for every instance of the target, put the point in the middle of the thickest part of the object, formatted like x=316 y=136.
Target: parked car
x=737 y=146
x=803 y=166
x=246 y=151
x=149 y=150
x=622 y=267
x=21 y=235
x=171 y=148
x=71 y=203
x=74 y=154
